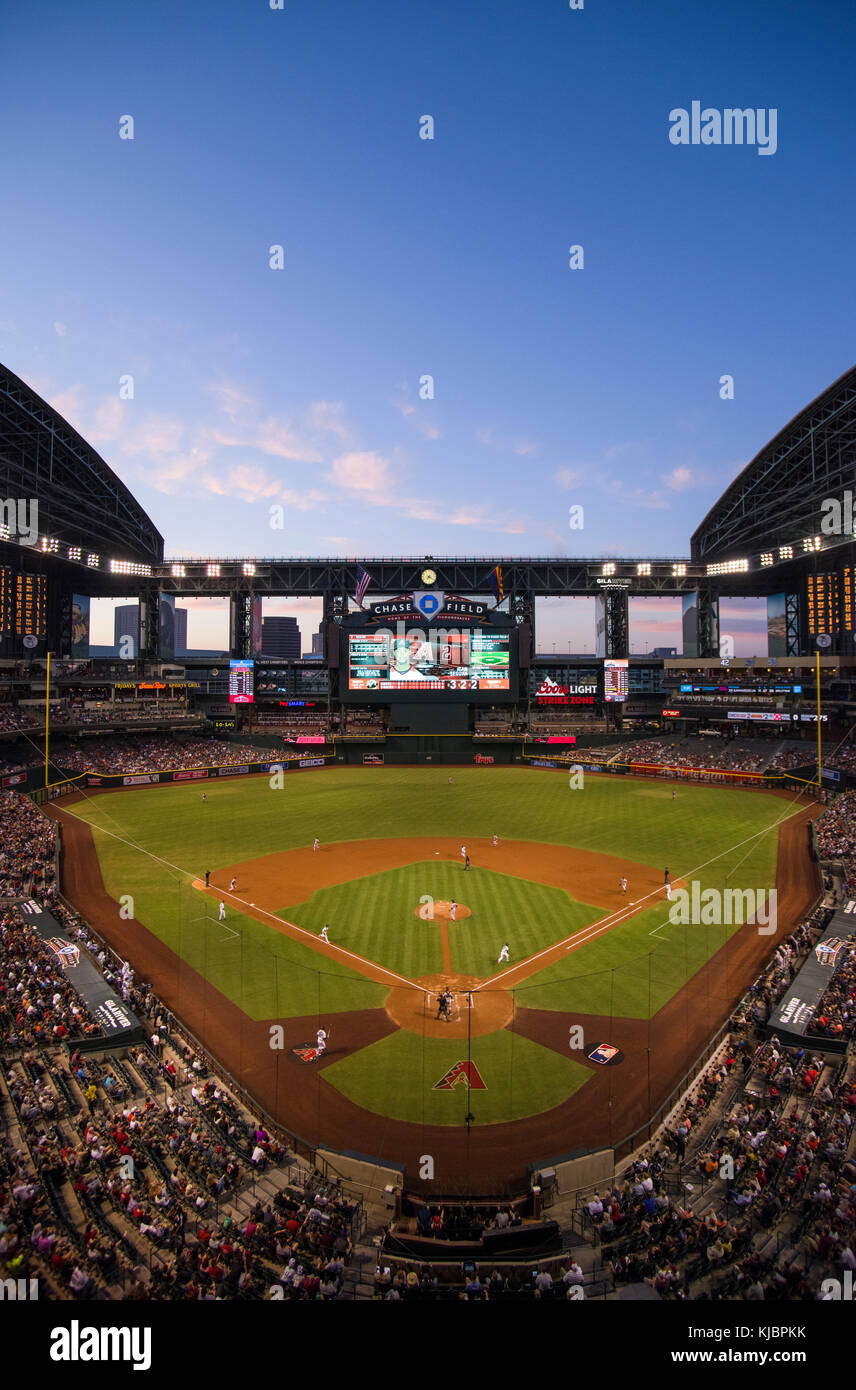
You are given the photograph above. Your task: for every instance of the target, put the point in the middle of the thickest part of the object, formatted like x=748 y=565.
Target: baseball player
x=233 y=885
x=466 y=861
x=320 y=1041
x=453 y=907
x=666 y=876
x=463 y=851
x=317 y=845
x=503 y=955
x=624 y=885
x=324 y=931
x=668 y=891
x=203 y=796
x=673 y=793
x=222 y=912
x=450 y=781
x=207 y=877
x=495 y=842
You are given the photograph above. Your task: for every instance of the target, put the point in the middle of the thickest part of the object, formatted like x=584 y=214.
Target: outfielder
x=503 y=955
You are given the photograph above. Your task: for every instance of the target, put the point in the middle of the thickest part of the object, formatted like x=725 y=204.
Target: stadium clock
x=429 y=576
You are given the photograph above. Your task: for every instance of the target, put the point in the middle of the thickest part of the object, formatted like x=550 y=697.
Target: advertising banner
x=191 y=775
x=231 y=771
x=311 y=762
x=375 y=760
x=141 y=779
x=112 y=1013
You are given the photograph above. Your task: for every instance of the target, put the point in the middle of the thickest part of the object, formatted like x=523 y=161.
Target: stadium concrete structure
x=767 y=536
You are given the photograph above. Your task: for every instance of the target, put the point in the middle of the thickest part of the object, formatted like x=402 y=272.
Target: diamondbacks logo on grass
x=606 y=1055
x=461 y=1072
x=305 y=1052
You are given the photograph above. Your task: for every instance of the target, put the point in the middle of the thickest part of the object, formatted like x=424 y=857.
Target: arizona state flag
x=494 y=583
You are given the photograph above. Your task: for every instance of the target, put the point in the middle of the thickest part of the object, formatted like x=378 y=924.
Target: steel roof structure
x=81 y=502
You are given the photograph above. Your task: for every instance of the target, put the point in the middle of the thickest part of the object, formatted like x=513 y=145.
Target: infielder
x=495 y=842
x=317 y=845
x=503 y=955
x=233 y=885
x=222 y=912
x=324 y=931
x=624 y=885
x=463 y=851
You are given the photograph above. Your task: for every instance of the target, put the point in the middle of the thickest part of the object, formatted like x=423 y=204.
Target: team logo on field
x=461 y=1072
x=305 y=1052
x=606 y=1055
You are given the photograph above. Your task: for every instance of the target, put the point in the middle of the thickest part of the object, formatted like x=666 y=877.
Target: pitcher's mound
x=442 y=911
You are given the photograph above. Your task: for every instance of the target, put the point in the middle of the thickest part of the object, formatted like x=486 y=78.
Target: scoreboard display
x=465 y=660
x=7 y=602
x=616 y=679
x=31 y=605
x=23 y=609
x=823 y=605
x=241 y=682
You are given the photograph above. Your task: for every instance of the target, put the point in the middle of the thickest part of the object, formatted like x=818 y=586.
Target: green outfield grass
x=375 y=916
x=244 y=818
x=396 y=1077
x=155 y=840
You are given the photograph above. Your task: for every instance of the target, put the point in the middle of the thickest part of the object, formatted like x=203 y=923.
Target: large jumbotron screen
x=381 y=662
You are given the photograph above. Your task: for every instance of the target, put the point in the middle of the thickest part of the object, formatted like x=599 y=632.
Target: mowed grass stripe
x=244 y=819
x=376 y=917
x=631 y=973
x=264 y=972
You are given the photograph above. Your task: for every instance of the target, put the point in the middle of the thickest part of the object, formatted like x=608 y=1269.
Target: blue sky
x=404 y=257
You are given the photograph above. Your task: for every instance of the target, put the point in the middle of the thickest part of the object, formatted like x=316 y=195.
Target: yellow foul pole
x=818 y=719
x=47 y=715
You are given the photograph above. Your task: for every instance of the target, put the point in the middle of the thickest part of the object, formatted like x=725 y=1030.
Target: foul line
x=343 y=950
x=581 y=938
x=595 y=929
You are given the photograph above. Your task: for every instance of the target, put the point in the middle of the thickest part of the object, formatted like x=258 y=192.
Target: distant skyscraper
x=663 y=651
x=318 y=642
x=180 y=631
x=280 y=637
x=126 y=630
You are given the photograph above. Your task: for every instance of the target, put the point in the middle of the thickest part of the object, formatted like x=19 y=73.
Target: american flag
x=364 y=579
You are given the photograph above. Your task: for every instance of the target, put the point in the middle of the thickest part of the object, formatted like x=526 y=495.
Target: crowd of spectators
x=835 y=1014
x=760 y=1150
x=144 y=1161
x=27 y=847
x=153 y=753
